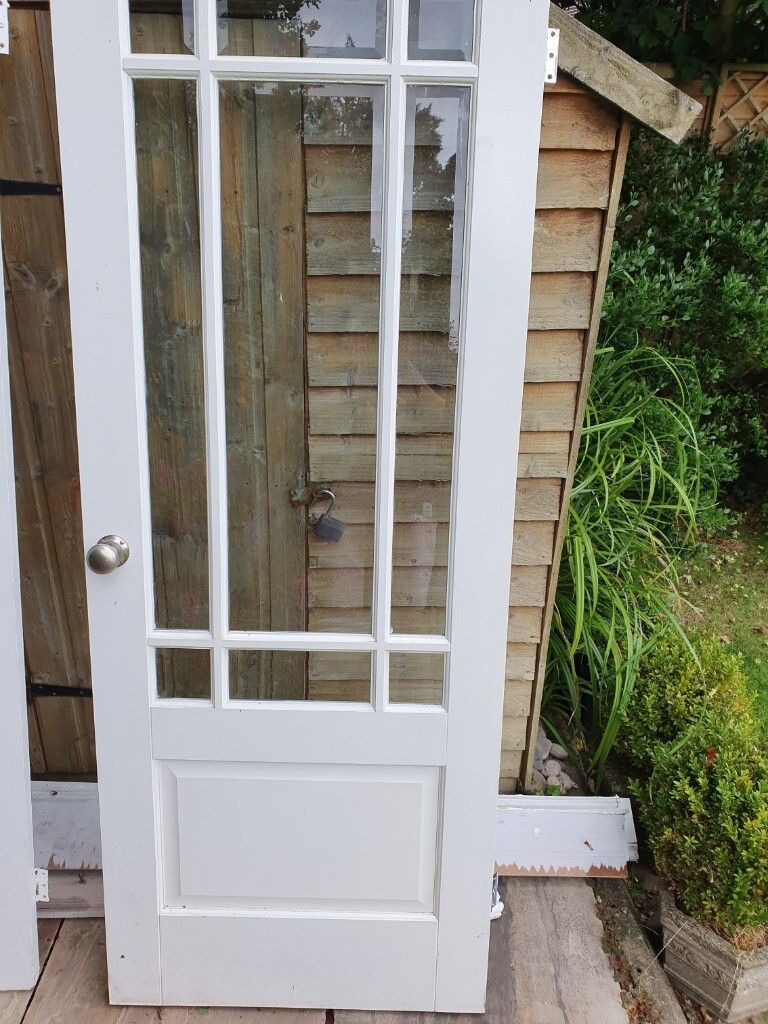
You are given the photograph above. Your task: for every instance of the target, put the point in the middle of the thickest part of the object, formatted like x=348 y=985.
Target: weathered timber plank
x=353 y=457
x=421 y=544
x=566 y=240
x=513 y=732
x=620 y=78
x=339 y=180
x=45 y=43
x=247 y=450
x=351 y=304
x=545 y=442
x=47 y=482
x=560 y=301
x=510 y=771
x=67 y=733
x=524 y=625
x=528 y=586
x=341 y=588
x=533 y=543
x=578 y=121
x=346 y=360
x=544 y=465
x=328 y=665
x=538 y=500
x=521 y=661
x=549 y=406
x=546 y=407
x=166 y=148
x=553 y=356
x=569 y=179
x=344 y=243
x=517 y=698
x=420 y=410
x=416 y=501
x=617 y=175
x=36 y=752
x=27 y=145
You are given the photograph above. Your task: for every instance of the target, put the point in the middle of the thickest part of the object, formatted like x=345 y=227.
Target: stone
x=552 y=768
x=543 y=747
x=567 y=782
x=538 y=762
x=559 y=752
x=538 y=782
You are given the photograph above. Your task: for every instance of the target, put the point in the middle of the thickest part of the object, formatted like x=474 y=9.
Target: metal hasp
x=109 y=554
x=553 y=46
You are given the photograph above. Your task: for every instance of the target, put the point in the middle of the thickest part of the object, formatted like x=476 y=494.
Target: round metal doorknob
x=109 y=554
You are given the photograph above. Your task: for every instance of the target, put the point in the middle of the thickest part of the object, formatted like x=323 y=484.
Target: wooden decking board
x=73 y=990
x=14 y=1005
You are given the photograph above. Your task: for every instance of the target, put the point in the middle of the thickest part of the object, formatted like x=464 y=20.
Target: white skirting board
x=535 y=835
x=587 y=836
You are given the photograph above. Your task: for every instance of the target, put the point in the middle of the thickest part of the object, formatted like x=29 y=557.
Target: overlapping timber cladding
x=301 y=365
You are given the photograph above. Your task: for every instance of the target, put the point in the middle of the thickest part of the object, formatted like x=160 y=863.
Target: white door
x=299 y=240
x=18 y=912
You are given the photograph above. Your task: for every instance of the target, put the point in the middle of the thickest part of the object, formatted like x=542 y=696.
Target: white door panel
x=299 y=259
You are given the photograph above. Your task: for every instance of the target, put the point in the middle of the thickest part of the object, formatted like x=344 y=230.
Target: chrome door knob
x=109 y=554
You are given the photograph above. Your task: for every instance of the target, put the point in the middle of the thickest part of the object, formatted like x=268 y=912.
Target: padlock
x=328 y=526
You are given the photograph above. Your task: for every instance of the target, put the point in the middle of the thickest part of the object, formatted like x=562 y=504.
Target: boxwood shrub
x=701 y=788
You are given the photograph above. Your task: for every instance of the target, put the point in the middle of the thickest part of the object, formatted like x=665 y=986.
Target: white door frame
x=93 y=78
x=19 y=964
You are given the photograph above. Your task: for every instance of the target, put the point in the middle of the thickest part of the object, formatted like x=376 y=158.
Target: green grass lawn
x=727 y=586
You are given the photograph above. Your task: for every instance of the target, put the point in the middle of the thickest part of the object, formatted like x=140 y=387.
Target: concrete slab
x=547 y=963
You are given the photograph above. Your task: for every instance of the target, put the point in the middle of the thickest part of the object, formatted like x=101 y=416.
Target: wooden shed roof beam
x=616 y=76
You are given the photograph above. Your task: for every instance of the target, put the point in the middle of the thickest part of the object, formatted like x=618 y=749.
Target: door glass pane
x=416 y=678
x=166 y=154
x=437 y=119
x=183 y=673
x=162 y=27
x=440 y=29
x=302 y=28
x=298 y=675
x=301 y=180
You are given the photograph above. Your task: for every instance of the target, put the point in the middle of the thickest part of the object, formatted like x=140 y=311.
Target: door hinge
x=40 y=881
x=4 y=34
x=553 y=45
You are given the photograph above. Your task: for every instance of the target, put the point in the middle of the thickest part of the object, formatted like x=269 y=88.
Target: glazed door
x=299 y=240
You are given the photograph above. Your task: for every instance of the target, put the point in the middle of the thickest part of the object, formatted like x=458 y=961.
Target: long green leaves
x=633 y=510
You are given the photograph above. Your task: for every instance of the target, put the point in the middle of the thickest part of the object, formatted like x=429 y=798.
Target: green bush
x=633 y=510
x=701 y=789
x=689 y=277
x=674 y=691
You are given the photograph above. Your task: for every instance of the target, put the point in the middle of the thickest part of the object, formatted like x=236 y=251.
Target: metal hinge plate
x=553 y=45
x=40 y=879
x=4 y=34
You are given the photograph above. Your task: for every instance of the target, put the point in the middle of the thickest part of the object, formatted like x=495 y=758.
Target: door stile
x=19 y=963
x=503 y=169
x=209 y=161
x=389 y=328
x=107 y=327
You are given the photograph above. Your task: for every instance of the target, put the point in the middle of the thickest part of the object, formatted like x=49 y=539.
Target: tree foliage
x=694 y=35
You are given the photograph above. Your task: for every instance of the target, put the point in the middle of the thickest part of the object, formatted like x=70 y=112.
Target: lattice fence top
x=741 y=102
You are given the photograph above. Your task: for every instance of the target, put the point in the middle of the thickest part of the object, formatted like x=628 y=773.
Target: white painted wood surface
x=348 y=940
x=65 y=817
x=564 y=835
x=19 y=965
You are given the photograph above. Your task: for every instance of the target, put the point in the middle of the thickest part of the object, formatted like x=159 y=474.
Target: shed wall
x=580 y=170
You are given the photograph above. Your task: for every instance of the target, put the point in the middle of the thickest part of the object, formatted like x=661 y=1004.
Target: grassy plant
x=633 y=510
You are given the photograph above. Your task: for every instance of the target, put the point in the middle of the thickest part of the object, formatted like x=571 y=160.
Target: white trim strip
x=245 y=641
x=298 y=69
